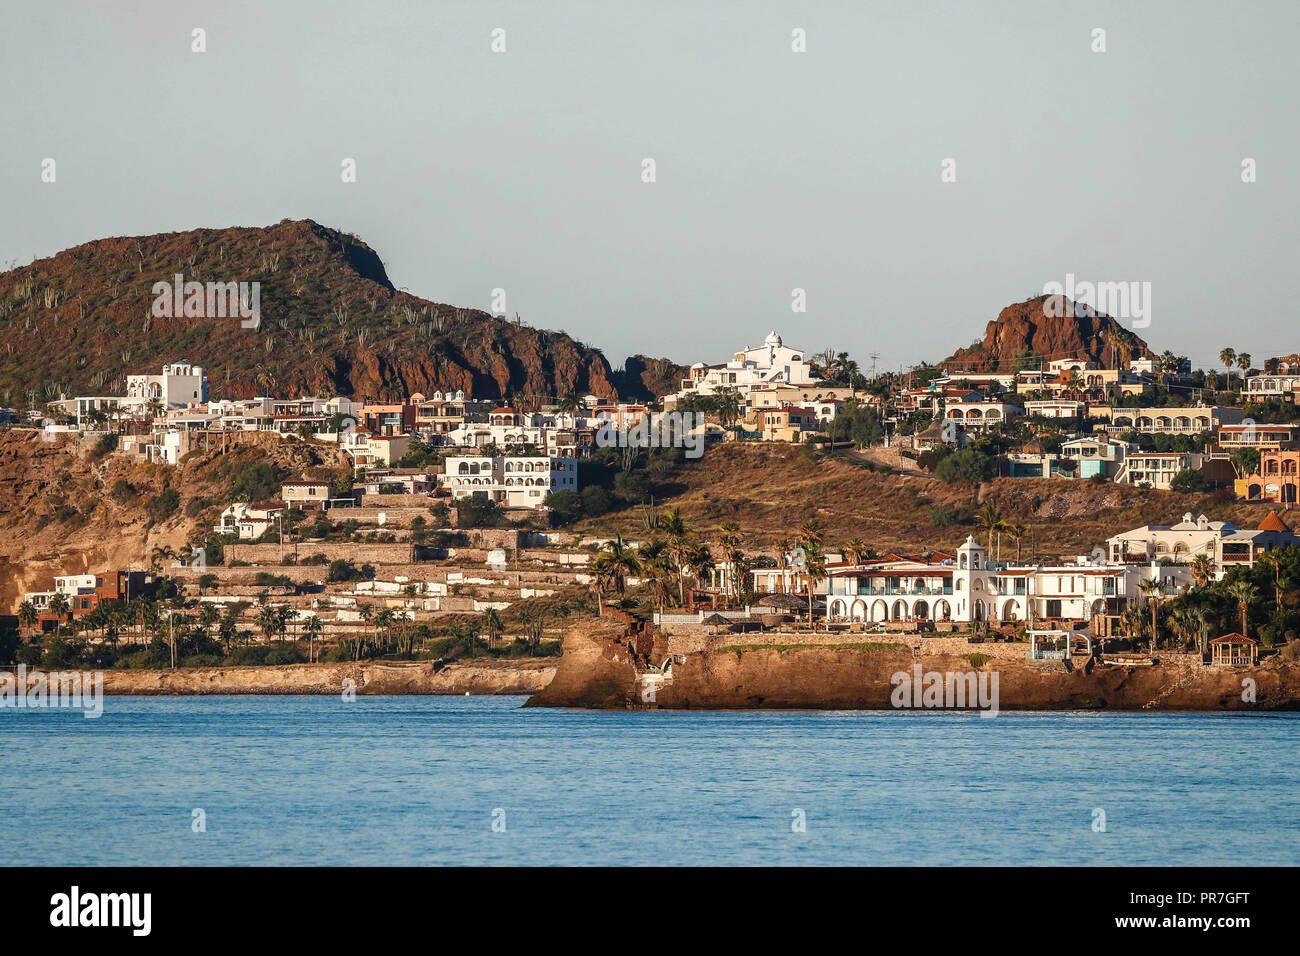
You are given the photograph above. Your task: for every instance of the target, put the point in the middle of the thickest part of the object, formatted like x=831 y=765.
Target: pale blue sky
x=775 y=170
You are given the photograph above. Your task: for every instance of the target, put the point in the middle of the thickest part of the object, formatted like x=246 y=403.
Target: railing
x=892 y=592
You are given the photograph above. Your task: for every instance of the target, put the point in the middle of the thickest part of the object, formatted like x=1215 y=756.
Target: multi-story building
x=1187 y=420
x=772 y=363
x=440 y=412
x=1223 y=542
x=787 y=423
x=966 y=586
x=980 y=416
x=510 y=481
x=311 y=495
x=1278 y=477
x=85 y=592
x=179 y=384
x=1156 y=469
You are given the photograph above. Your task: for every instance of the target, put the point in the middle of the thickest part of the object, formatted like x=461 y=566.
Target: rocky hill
x=1024 y=331
x=331 y=323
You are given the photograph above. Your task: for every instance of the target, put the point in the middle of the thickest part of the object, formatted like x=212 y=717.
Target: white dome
x=772 y=339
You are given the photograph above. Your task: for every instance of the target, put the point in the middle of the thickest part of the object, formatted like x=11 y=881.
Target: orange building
x=1278 y=478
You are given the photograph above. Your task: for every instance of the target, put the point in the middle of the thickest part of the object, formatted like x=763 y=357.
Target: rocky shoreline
x=606 y=665
x=520 y=677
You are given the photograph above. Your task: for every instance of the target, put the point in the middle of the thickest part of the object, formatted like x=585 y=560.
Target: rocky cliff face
x=1026 y=330
x=600 y=669
x=331 y=323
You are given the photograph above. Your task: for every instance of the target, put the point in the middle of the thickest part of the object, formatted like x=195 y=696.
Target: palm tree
x=814 y=571
x=700 y=562
x=1229 y=358
x=810 y=532
x=1202 y=568
x=656 y=564
x=27 y=614
x=729 y=538
x=1153 y=592
x=855 y=551
x=1245 y=594
x=678 y=534
x=1017 y=532
x=313 y=627
x=990 y=519
x=492 y=624
x=269 y=622
x=614 y=565
x=160 y=554
x=1243 y=363
x=59 y=608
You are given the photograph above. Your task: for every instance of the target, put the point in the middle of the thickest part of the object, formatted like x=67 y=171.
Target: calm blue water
x=415 y=780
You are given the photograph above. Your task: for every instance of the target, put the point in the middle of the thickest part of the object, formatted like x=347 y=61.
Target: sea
x=409 y=780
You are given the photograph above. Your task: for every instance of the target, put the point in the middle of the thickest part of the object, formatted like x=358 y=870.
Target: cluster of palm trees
x=1231 y=357
x=995 y=524
x=804 y=558
x=674 y=554
x=1189 y=617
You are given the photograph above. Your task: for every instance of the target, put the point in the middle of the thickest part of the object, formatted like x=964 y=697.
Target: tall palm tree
x=1153 y=591
x=656 y=564
x=492 y=624
x=59 y=608
x=269 y=622
x=810 y=532
x=991 y=520
x=1245 y=594
x=1229 y=358
x=615 y=564
x=1202 y=568
x=27 y=614
x=1017 y=532
x=313 y=627
x=679 y=537
x=1243 y=363
x=855 y=551
x=814 y=571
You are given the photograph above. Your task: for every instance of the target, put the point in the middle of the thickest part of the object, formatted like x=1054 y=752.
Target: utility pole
x=874 y=356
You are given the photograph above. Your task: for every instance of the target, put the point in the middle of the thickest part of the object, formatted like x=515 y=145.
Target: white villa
x=770 y=364
x=1225 y=543
x=967 y=587
x=512 y=482
x=249 y=520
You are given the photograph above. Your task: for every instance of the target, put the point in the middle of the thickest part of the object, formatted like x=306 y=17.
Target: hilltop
x=1024 y=329
x=332 y=323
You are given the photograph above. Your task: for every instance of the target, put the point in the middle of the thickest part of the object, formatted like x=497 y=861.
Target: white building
x=966 y=586
x=249 y=520
x=772 y=363
x=510 y=481
x=1156 y=469
x=980 y=416
x=1224 y=543
x=179 y=384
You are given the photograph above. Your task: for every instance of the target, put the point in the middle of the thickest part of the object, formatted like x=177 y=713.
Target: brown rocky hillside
x=1024 y=329
x=771 y=489
x=332 y=323
x=66 y=510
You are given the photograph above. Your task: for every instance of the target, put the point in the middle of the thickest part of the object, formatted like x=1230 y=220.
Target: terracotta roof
x=1234 y=638
x=1273 y=522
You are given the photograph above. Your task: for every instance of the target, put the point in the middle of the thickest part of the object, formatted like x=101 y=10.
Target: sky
x=774 y=170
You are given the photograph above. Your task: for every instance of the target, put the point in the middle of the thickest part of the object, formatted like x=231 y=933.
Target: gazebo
x=1234 y=650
